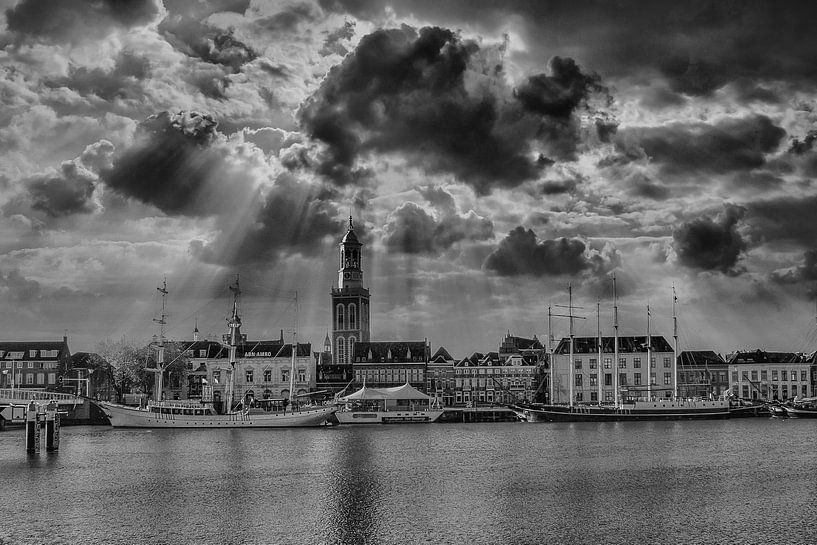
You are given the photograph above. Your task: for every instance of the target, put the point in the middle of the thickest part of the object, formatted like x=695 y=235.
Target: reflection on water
x=669 y=482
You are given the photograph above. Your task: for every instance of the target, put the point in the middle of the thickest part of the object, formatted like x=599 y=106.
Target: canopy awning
x=406 y=391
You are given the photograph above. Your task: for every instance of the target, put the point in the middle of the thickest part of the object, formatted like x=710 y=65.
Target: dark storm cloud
x=68 y=192
x=559 y=93
x=294 y=217
x=405 y=91
x=62 y=21
x=171 y=165
x=784 y=219
x=730 y=145
x=123 y=81
x=289 y=19
x=196 y=38
x=412 y=230
x=710 y=245
x=696 y=47
x=806 y=272
x=520 y=253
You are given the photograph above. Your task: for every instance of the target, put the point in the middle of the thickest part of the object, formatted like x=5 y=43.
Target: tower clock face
x=346 y=276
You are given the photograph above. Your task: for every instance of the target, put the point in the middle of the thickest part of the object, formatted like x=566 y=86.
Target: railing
x=25 y=395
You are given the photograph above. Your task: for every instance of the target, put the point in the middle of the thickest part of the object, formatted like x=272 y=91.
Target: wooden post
x=32 y=429
x=52 y=427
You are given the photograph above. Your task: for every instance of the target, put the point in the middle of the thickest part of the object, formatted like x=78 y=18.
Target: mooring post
x=52 y=427
x=32 y=429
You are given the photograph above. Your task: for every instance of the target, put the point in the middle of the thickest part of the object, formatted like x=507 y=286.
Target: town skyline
x=489 y=155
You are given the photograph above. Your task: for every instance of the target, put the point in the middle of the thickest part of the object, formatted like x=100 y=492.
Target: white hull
x=122 y=416
x=387 y=417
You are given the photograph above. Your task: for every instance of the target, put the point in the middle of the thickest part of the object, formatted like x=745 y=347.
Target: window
x=666 y=362
x=608 y=379
x=764 y=375
x=637 y=363
x=52 y=378
x=774 y=374
x=608 y=362
x=594 y=380
x=652 y=362
x=608 y=396
x=745 y=391
x=667 y=379
x=249 y=375
x=352 y=342
x=340 y=317
x=352 y=316
x=267 y=375
x=40 y=378
x=622 y=363
x=803 y=375
x=29 y=378
x=216 y=377
x=652 y=378
x=32 y=353
x=794 y=376
x=593 y=363
x=637 y=379
x=734 y=376
x=285 y=375
x=341 y=355
x=579 y=396
x=301 y=375
x=578 y=363
x=622 y=379
x=594 y=396
x=578 y=380
x=202 y=353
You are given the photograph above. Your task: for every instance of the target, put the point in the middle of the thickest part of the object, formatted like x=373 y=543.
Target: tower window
x=352 y=341
x=352 y=316
x=341 y=350
x=340 y=316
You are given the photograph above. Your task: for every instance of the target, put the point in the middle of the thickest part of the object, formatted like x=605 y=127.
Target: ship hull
x=388 y=417
x=679 y=410
x=122 y=416
x=799 y=412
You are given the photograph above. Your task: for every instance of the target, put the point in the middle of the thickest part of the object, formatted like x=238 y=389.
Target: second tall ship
x=651 y=408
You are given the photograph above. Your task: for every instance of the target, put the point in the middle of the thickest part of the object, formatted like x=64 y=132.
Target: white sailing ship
x=253 y=413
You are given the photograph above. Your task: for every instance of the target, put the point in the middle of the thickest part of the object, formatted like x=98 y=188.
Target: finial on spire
x=351 y=227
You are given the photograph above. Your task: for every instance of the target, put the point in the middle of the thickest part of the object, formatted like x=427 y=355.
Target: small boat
x=400 y=404
x=777 y=410
x=801 y=408
x=249 y=413
x=741 y=408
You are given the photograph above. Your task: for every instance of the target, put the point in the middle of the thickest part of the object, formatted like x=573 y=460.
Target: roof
x=511 y=343
x=391 y=351
x=246 y=349
x=441 y=356
x=694 y=358
x=11 y=347
x=636 y=343
x=761 y=356
x=406 y=391
x=350 y=237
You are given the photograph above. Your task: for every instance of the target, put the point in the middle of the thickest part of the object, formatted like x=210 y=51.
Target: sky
x=491 y=154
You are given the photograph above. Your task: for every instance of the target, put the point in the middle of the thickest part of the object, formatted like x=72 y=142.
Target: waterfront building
x=440 y=378
x=590 y=376
x=34 y=364
x=262 y=369
x=489 y=378
x=778 y=376
x=385 y=364
x=701 y=373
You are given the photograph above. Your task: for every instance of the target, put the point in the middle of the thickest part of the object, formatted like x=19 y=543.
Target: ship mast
x=234 y=324
x=160 y=342
x=550 y=351
x=571 y=364
x=675 y=347
x=598 y=365
x=649 y=356
x=294 y=350
x=615 y=343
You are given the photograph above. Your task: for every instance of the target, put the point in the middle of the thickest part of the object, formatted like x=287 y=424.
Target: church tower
x=350 y=301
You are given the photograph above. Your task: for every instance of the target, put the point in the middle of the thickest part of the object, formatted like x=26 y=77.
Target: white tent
x=406 y=391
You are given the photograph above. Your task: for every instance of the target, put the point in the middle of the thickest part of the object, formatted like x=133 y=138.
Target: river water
x=732 y=481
